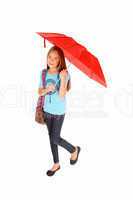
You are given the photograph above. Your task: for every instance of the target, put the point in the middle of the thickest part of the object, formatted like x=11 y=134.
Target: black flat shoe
x=72 y=162
x=52 y=172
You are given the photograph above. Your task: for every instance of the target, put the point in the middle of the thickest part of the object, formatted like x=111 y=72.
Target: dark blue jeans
x=54 y=125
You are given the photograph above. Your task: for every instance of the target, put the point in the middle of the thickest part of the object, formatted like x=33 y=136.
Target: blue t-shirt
x=53 y=103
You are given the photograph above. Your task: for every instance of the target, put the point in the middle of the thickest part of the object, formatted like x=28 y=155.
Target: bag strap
x=44 y=71
x=40 y=101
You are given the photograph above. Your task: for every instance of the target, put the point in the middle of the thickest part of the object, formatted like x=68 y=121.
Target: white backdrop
x=98 y=119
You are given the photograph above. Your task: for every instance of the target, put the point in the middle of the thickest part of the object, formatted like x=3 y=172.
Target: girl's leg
x=56 y=131
x=54 y=147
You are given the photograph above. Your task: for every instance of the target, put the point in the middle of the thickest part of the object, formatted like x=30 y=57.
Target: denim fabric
x=54 y=124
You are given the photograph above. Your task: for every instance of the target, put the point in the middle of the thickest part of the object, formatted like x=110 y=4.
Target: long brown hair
x=61 y=64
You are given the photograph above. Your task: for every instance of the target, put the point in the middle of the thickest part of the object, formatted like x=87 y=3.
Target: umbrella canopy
x=77 y=54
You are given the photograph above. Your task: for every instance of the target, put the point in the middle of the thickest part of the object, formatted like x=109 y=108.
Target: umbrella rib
x=96 y=75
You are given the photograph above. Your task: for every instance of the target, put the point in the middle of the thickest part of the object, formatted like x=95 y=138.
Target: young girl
x=57 y=84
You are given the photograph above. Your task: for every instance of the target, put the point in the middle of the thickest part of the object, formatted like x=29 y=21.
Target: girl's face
x=53 y=59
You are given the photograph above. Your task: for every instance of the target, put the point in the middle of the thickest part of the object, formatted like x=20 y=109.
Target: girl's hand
x=41 y=91
x=63 y=74
x=50 y=87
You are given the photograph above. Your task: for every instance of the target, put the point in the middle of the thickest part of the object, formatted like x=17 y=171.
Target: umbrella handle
x=69 y=64
x=44 y=43
x=59 y=78
x=57 y=82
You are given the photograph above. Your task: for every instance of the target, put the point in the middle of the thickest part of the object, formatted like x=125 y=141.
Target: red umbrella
x=77 y=55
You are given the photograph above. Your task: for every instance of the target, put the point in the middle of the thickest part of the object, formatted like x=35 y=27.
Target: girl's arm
x=63 y=84
x=43 y=91
x=63 y=88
